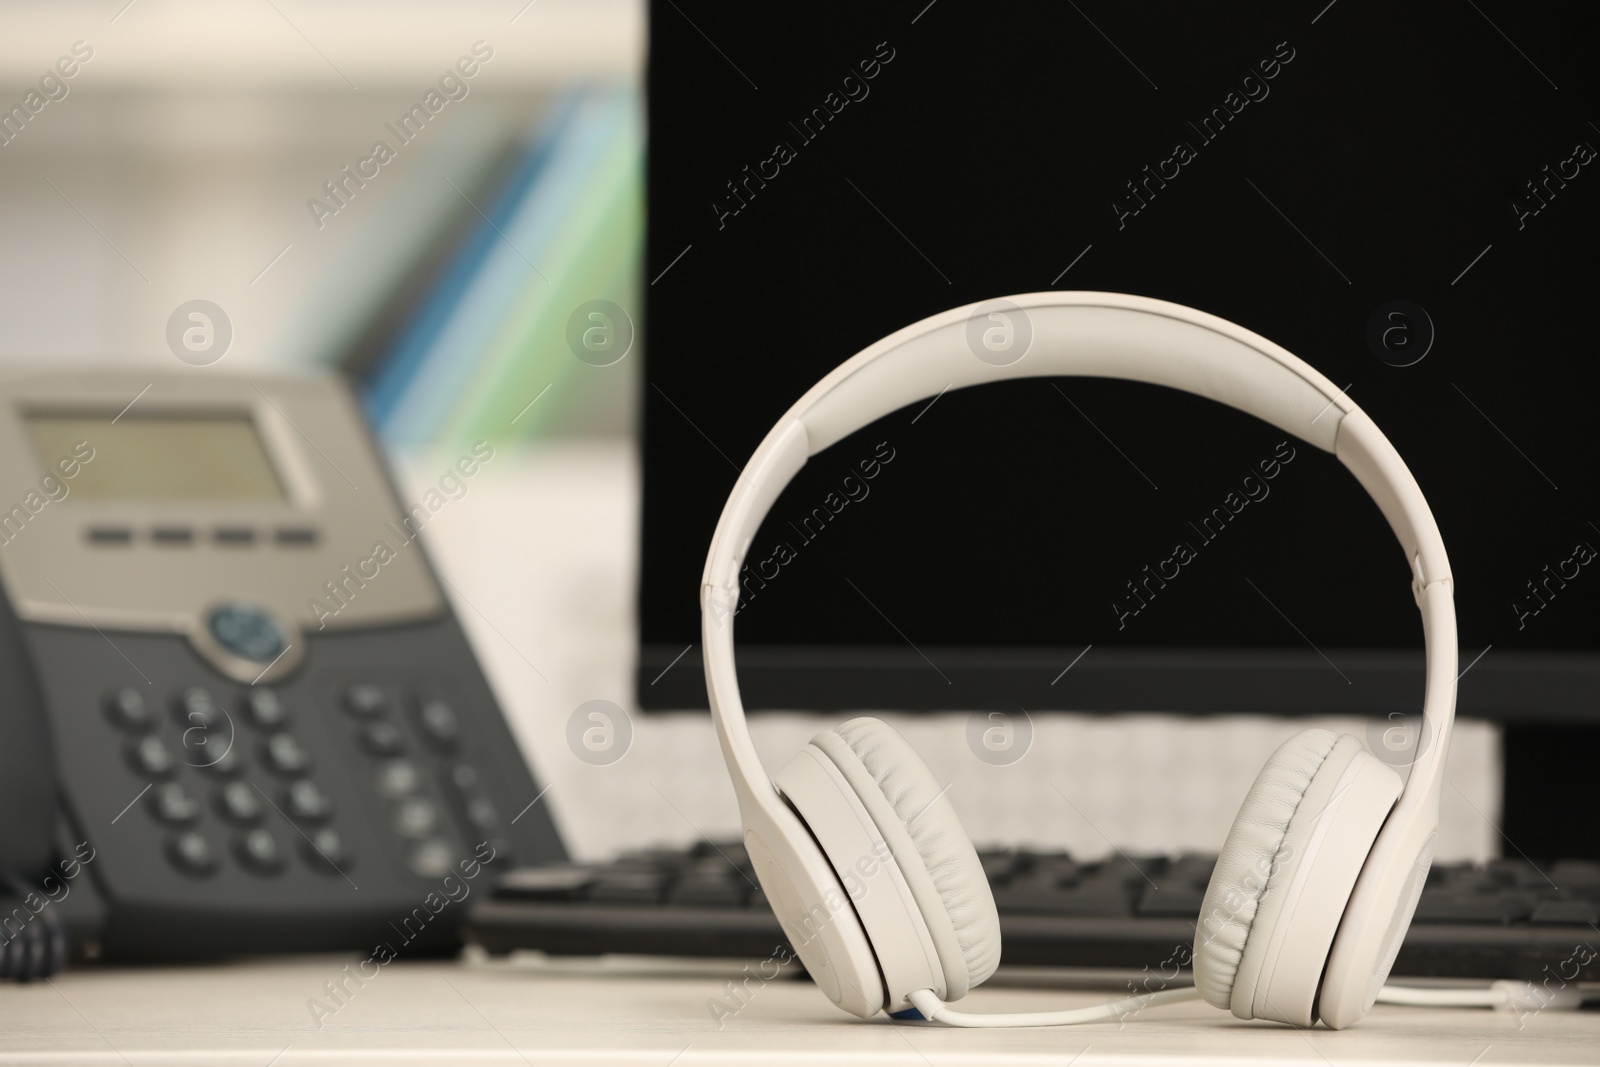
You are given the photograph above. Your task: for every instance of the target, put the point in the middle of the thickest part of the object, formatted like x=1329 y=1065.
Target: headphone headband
x=1090 y=334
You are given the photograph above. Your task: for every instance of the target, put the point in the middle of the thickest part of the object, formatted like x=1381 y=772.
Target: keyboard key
x=258 y=851
x=1094 y=898
x=238 y=802
x=1576 y=876
x=1053 y=869
x=191 y=852
x=127 y=709
x=174 y=805
x=1516 y=872
x=1449 y=907
x=730 y=851
x=997 y=866
x=1574 y=912
x=150 y=757
x=710 y=888
x=546 y=883
x=614 y=886
x=1173 y=900
x=1190 y=869
x=1137 y=870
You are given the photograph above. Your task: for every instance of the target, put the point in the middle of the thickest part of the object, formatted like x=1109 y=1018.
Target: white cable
x=933 y=1008
x=1417 y=997
x=1507 y=995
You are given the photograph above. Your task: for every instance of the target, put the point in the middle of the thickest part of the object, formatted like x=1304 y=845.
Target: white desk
x=256 y=1014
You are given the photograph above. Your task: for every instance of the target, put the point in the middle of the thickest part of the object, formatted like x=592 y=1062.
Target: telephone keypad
x=411 y=740
x=431 y=787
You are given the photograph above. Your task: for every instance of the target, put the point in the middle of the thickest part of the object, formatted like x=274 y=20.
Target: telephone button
x=191 y=853
x=366 y=701
x=440 y=724
x=482 y=813
x=150 y=756
x=416 y=817
x=265 y=709
x=397 y=778
x=248 y=632
x=238 y=802
x=383 y=739
x=258 y=850
x=195 y=706
x=324 y=851
x=286 y=755
x=432 y=859
x=461 y=783
x=173 y=805
x=305 y=802
x=224 y=766
x=127 y=709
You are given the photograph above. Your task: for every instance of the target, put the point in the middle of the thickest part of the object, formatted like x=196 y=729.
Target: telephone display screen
x=159 y=457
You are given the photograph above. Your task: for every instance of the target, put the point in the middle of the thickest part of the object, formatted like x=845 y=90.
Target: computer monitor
x=1402 y=197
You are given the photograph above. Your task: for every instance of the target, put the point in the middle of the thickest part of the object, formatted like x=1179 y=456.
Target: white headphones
x=861 y=854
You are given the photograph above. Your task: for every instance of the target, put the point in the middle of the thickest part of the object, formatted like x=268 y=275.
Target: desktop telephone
x=221 y=765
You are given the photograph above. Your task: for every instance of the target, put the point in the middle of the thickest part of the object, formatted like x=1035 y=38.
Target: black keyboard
x=1507 y=919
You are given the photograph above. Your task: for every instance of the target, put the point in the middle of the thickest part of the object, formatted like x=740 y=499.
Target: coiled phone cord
x=33 y=944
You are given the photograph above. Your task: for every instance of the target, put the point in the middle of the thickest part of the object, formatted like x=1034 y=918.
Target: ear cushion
x=917 y=822
x=1243 y=898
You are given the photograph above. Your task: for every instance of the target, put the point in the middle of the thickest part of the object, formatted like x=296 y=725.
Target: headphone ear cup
x=915 y=819
x=1275 y=831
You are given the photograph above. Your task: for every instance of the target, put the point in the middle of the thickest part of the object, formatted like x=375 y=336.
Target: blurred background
x=227 y=153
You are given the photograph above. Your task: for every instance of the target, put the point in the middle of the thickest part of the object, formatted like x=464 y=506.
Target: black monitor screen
x=1405 y=196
